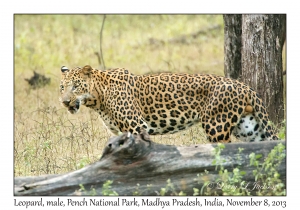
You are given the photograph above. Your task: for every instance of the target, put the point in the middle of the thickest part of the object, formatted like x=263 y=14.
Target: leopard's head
x=75 y=87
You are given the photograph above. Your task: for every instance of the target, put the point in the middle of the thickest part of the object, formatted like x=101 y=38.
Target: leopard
x=166 y=103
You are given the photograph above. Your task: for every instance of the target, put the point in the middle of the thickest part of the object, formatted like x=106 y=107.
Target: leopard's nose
x=66 y=102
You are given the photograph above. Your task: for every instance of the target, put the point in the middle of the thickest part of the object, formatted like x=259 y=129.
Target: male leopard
x=167 y=103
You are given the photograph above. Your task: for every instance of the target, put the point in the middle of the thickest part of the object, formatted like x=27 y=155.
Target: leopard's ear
x=64 y=69
x=86 y=70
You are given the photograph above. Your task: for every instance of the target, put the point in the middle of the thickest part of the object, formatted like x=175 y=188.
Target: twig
x=103 y=64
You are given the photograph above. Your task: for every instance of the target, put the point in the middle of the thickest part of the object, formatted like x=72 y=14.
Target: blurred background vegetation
x=47 y=139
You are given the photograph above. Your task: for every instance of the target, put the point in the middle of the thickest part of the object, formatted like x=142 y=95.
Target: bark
x=129 y=160
x=233 y=46
x=263 y=37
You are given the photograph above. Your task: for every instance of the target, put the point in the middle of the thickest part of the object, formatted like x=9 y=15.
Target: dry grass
x=50 y=140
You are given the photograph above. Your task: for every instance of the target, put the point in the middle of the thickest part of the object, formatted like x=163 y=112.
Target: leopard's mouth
x=74 y=109
x=73 y=106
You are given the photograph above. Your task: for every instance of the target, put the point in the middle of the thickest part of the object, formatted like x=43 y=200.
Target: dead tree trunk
x=129 y=160
x=262 y=39
x=233 y=46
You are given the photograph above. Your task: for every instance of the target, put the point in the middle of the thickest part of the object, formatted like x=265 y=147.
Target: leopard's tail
x=267 y=129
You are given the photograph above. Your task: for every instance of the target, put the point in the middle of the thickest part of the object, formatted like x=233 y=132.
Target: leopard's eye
x=61 y=87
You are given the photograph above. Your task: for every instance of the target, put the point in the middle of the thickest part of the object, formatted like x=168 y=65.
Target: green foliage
x=196 y=191
x=170 y=189
x=83 y=162
x=91 y=192
x=282 y=130
x=267 y=178
x=137 y=190
x=266 y=173
x=230 y=182
x=217 y=153
x=106 y=189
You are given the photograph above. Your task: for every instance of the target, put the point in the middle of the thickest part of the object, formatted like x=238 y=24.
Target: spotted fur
x=167 y=102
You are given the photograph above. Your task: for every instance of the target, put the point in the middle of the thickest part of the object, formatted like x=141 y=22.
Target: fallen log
x=137 y=165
